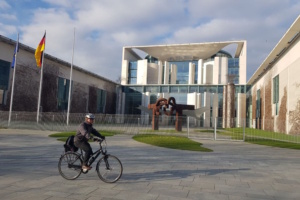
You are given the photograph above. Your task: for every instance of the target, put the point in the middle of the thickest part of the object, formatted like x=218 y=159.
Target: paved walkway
x=235 y=170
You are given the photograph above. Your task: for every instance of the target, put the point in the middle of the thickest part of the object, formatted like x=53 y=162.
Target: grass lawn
x=262 y=137
x=172 y=142
x=273 y=143
x=253 y=136
x=168 y=131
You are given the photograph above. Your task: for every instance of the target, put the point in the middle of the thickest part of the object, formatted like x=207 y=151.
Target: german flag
x=40 y=51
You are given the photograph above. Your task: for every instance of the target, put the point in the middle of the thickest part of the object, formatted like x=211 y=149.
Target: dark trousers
x=86 y=147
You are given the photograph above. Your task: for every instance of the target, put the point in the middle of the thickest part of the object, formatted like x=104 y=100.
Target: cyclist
x=82 y=136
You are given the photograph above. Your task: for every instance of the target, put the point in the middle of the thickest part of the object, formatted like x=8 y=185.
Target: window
x=233 y=70
x=132 y=102
x=174 y=89
x=276 y=93
x=101 y=101
x=193 y=89
x=4 y=74
x=258 y=105
x=132 y=72
x=4 y=79
x=153 y=89
x=183 y=71
x=63 y=94
x=183 y=89
x=153 y=99
x=164 y=89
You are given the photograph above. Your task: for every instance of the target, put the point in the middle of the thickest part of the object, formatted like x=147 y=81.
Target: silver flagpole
x=41 y=83
x=70 y=85
x=13 y=82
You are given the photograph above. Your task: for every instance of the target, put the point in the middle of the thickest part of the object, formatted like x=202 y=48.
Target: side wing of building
x=90 y=92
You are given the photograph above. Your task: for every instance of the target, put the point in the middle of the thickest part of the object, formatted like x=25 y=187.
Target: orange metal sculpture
x=163 y=104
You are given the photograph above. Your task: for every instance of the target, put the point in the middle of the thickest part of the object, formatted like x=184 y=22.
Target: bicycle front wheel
x=69 y=165
x=109 y=169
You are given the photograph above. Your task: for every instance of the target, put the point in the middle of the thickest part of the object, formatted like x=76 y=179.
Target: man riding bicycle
x=82 y=136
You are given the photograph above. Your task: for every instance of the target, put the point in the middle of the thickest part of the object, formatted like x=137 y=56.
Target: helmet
x=90 y=116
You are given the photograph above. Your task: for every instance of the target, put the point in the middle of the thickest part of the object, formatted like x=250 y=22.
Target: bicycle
x=109 y=168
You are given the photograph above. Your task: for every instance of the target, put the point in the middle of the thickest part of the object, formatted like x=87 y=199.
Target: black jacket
x=84 y=132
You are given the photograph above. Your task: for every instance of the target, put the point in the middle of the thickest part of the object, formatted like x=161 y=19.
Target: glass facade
x=132 y=72
x=151 y=59
x=213 y=93
x=151 y=89
x=132 y=101
x=233 y=70
x=179 y=92
x=183 y=71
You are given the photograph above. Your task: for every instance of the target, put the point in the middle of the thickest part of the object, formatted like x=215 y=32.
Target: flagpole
x=70 y=85
x=41 y=81
x=13 y=82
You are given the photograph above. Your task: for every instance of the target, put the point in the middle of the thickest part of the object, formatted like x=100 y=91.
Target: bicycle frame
x=94 y=155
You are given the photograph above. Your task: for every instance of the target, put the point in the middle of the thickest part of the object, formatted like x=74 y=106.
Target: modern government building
x=201 y=74
x=194 y=74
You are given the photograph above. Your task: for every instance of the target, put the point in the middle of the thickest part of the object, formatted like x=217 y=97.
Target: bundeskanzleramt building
x=204 y=75
x=201 y=74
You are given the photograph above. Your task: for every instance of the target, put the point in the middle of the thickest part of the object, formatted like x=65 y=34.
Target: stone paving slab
x=234 y=170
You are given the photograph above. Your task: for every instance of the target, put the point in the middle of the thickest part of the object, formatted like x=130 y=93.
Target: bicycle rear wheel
x=69 y=165
x=109 y=169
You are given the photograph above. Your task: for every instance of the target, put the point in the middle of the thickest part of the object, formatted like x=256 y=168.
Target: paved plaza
x=234 y=170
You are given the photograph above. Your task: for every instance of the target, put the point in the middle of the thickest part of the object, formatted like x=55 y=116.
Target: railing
x=211 y=128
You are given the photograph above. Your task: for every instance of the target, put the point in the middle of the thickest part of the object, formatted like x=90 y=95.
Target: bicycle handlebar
x=97 y=139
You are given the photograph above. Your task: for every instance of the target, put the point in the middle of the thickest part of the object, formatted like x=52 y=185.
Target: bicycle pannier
x=69 y=145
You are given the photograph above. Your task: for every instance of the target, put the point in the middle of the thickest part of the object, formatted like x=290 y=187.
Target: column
x=200 y=68
x=191 y=73
x=173 y=74
x=166 y=74
x=230 y=105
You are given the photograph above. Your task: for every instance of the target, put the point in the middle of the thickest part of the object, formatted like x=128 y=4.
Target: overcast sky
x=103 y=27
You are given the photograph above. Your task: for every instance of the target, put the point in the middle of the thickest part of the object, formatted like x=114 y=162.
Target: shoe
x=84 y=167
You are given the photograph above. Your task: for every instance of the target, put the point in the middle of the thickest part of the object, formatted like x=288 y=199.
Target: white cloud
x=104 y=27
x=63 y=3
x=7 y=29
x=8 y=17
x=4 y=4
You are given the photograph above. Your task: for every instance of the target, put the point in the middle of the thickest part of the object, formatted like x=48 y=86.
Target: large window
x=183 y=71
x=4 y=74
x=4 y=78
x=276 y=93
x=63 y=94
x=233 y=70
x=101 y=101
x=132 y=72
x=132 y=102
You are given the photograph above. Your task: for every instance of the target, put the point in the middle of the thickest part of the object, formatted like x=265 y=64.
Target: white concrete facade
x=209 y=71
x=283 y=62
